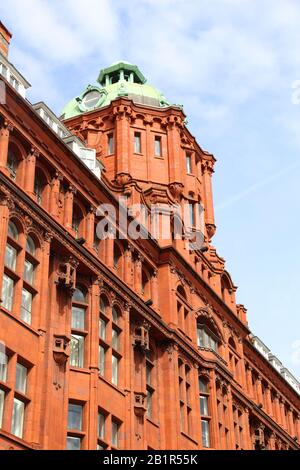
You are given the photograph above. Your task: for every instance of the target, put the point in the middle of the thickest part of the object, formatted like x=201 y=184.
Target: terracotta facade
x=104 y=367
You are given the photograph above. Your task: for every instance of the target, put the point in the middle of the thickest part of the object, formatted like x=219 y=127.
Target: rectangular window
x=73 y=443
x=75 y=416
x=28 y=272
x=7 y=292
x=110 y=142
x=157 y=146
x=149 y=403
x=10 y=257
x=3 y=366
x=188 y=162
x=102 y=328
x=101 y=426
x=115 y=428
x=77 y=351
x=18 y=418
x=101 y=360
x=192 y=214
x=205 y=433
x=2 y=398
x=115 y=369
x=26 y=306
x=78 y=318
x=21 y=378
x=137 y=142
x=203 y=406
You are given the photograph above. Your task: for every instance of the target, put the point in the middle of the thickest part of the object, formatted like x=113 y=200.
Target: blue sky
x=232 y=64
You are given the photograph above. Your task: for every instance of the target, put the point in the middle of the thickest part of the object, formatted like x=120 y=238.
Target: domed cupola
x=119 y=79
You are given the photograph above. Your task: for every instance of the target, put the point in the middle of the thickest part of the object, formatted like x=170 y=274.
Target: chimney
x=5 y=37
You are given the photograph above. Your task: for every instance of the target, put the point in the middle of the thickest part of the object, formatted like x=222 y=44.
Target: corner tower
x=142 y=140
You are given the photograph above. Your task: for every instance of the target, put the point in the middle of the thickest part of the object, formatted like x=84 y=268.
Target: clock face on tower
x=92 y=98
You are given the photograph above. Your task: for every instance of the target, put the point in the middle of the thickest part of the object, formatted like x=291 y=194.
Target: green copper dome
x=119 y=79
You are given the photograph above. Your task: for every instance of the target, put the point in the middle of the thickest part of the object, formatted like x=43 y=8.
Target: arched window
x=117 y=259
x=115 y=344
x=77 y=221
x=23 y=272
x=12 y=250
x=40 y=184
x=13 y=231
x=207 y=337
x=233 y=358
x=145 y=284
x=182 y=310
x=12 y=162
x=204 y=411
x=78 y=327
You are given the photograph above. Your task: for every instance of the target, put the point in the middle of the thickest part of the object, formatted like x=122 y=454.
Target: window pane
x=102 y=328
x=7 y=292
x=149 y=403
x=110 y=144
x=188 y=164
x=115 y=433
x=3 y=366
x=158 y=146
x=202 y=385
x=137 y=142
x=73 y=443
x=30 y=246
x=10 y=257
x=115 y=315
x=78 y=317
x=103 y=304
x=101 y=426
x=203 y=406
x=18 y=418
x=21 y=378
x=115 y=370
x=2 y=398
x=79 y=296
x=101 y=360
x=77 y=351
x=115 y=339
x=75 y=417
x=205 y=433
x=26 y=306
x=13 y=231
x=148 y=373
x=28 y=271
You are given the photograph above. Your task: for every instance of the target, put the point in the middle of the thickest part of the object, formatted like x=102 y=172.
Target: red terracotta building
x=125 y=342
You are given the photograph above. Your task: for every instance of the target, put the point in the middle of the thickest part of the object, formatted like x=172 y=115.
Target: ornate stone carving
x=66 y=274
x=141 y=336
x=176 y=190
